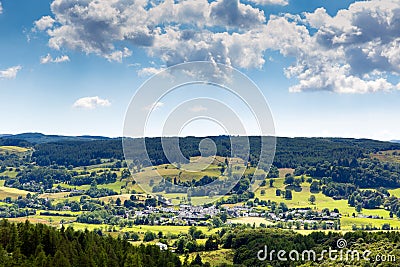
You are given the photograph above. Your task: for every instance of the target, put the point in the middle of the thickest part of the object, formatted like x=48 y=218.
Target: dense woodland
x=290 y=152
x=26 y=244
x=248 y=242
x=364 y=173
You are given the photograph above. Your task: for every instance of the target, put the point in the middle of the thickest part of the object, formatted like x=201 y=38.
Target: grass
x=300 y=200
x=11 y=174
x=54 y=195
x=177 y=197
x=392 y=156
x=123 y=197
x=196 y=169
x=78 y=187
x=113 y=186
x=395 y=192
x=70 y=199
x=215 y=258
x=11 y=192
x=32 y=220
x=250 y=220
x=347 y=222
x=284 y=171
x=173 y=229
x=13 y=149
x=140 y=229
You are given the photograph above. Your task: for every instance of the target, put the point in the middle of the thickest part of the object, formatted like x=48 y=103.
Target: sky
x=326 y=68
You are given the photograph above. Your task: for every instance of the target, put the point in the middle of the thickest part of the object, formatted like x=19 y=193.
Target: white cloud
x=198 y=108
x=174 y=32
x=44 y=23
x=49 y=59
x=149 y=71
x=232 y=13
x=154 y=106
x=118 y=55
x=1 y=8
x=351 y=52
x=91 y=102
x=271 y=2
x=10 y=73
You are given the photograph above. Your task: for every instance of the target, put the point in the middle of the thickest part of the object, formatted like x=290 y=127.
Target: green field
x=347 y=222
x=176 y=198
x=215 y=258
x=141 y=229
x=300 y=200
x=250 y=220
x=395 y=192
x=173 y=229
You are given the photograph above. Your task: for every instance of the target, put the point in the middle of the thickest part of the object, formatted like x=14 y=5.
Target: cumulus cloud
x=119 y=55
x=49 y=59
x=44 y=23
x=91 y=102
x=174 y=32
x=233 y=13
x=10 y=73
x=353 y=51
x=1 y=8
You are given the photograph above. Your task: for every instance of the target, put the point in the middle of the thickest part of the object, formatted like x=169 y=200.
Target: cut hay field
x=13 y=149
x=11 y=174
x=11 y=192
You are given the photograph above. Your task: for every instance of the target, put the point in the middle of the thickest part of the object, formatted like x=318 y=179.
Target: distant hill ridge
x=290 y=152
x=39 y=138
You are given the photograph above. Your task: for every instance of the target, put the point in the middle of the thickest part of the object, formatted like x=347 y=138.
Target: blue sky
x=326 y=68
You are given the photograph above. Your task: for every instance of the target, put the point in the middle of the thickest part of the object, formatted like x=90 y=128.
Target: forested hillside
x=26 y=244
x=290 y=152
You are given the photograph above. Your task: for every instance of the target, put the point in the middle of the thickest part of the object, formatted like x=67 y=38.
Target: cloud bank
x=355 y=51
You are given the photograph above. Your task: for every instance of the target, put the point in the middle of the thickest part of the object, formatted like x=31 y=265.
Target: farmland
x=137 y=205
